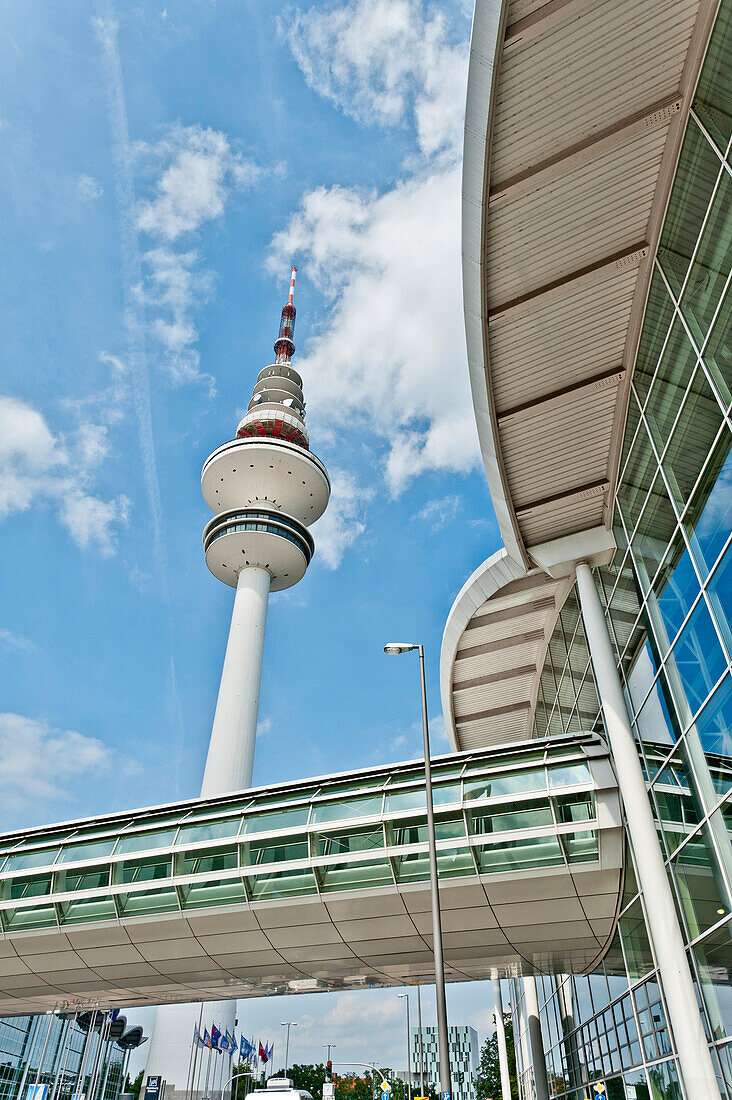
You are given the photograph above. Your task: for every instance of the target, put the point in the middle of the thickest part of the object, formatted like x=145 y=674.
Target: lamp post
x=288 y=1025
x=405 y=996
x=392 y=648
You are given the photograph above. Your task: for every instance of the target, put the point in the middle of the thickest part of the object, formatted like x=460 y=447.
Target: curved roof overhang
x=575 y=114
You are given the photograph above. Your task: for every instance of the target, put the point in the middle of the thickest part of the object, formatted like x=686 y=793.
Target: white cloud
x=391 y=356
x=197 y=170
x=36 y=466
x=89 y=189
x=438 y=513
x=385 y=62
x=38 y=763
x=10 y=640
x=342 y=523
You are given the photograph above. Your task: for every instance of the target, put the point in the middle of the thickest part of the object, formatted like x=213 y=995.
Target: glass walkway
x=319 y=884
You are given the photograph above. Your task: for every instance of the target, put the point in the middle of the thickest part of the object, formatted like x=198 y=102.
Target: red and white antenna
x=284 y=346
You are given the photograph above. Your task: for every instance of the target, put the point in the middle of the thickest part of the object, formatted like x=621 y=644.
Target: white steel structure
x=265 y=488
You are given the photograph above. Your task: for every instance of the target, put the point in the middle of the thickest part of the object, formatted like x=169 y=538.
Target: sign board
x=154 y=1087
x=328 y=1090
x=385 y=1089
x=599 y=1089
x=36 y=1092
x=445 y=1095
x=78 y=1096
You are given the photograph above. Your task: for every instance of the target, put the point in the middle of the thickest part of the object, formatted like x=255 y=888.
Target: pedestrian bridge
x=320 y=884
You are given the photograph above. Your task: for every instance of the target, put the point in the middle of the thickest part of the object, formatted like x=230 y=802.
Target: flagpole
x=194 y=1050
x=197 y=1083
x=208 y=1071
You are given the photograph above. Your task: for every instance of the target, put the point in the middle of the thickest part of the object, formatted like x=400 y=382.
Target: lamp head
x=393 y=648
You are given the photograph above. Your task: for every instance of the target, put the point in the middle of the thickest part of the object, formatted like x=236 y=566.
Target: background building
x=597 y=266
x=463 y=1059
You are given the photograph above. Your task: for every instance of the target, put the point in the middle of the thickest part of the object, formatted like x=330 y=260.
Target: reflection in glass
x=712 y=963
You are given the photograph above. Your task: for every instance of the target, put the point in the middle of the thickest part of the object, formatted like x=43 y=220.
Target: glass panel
x=510 y=783
x=352 y=840
x=342 y=811
x=31 y=887
x=569 y=775
x=406 y=800
x=634 y=937
x=143 y=870
x=415 y=867
x=575 y=807
x=204 y=862
x=711 y=264
x=720 y=596
x=90 y=849
x=656 y=323
x=35 y=916
x=664 y=1081
x=581 y=847
x=694 y=182
x=528 y=815
x=670 y=384
x=355 y=876
x=274 y=851
x=218 y=892
x=693 y=438
x=718 y=352
x=637 y=480
x=518 y=855
x=145 y=842
x=697 y=658
x=701 y=887
x=281 y=884
x=211 y=830
x=87 y=909
x=276 y=819
x=708 y=520
x=675 y=588
x=25 y=860
x=414 y=830
x=445 y=794
x=713 y=99
x=714 y=724
x=86 y=878
x=148 y=902
x=712 y=963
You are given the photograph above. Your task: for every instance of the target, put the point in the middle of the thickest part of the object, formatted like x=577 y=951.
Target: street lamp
x=393 y=648
x=409 y=1048
x=288 y=1025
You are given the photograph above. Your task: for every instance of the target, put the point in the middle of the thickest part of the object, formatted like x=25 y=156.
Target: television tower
x=265 y=488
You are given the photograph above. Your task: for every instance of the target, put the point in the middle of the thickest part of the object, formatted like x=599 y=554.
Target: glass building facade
x=668 y=603
x=54 y=1051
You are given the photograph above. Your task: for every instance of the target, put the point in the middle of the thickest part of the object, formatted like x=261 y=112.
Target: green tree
x=488 y=1079
x=134 y=1086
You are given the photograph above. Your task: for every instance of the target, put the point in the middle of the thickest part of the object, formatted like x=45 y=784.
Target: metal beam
x=496 y=647
x=574 y=156
x=571 y=496
x=493 y=678
x=594 y=273
x=547 y=18
x=557 y=397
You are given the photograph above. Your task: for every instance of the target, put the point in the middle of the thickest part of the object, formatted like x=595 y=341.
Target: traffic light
x=329 y=1070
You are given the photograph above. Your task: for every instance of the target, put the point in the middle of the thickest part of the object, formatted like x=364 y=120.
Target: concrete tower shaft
x=265 y=488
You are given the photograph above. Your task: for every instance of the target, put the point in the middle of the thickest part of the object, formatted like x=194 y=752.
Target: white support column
x=501 y=1040
x=697 y=1069
x=230 y=760
x=536 y=1042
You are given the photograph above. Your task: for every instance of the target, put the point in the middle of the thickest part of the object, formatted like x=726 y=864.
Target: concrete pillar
x=536 y=1042
x=695 y=1061
x=501 y=1039
x=230 y=760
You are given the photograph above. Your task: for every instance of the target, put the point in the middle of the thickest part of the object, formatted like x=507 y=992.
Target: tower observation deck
x=265 y=488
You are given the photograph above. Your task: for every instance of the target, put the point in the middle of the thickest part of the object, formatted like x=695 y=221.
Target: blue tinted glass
x=709 y=532
x=714 y=724
x=697 y=657
x=675 y=595
x=720 y=595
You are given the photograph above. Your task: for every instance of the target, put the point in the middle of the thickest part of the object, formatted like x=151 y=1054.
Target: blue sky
x=162 y=165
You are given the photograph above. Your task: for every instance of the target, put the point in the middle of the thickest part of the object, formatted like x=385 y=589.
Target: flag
x=206 y=1039
x=263 y=1053
x=246 y=1048
x=215 y=1037
x=230 y=1042
x=198 y=1038
x=270 y=1051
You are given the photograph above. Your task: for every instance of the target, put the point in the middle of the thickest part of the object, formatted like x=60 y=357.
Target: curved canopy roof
x=575 y=115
